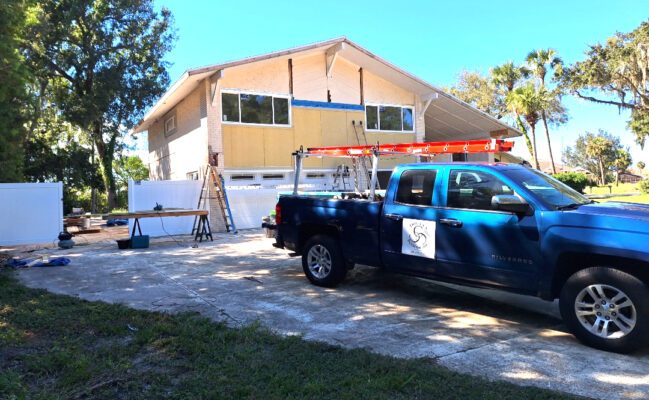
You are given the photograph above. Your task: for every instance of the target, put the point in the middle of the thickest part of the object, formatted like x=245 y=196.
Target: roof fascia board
x=161 y=101
x=267 y=56
x=214 y=80
x=432 y=87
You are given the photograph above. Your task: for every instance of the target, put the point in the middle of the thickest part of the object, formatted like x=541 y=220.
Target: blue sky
x=434 y=40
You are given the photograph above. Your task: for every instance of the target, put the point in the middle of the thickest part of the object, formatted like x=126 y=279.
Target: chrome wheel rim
x=605 y=311
x=319 y=261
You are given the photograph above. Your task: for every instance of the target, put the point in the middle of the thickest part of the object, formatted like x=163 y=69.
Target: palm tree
x=506 y=77
x=527 y=102
x=538 y=61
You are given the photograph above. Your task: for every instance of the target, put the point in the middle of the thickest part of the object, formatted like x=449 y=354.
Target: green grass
x=59 y=347
x=642 y=198
x=622 y=188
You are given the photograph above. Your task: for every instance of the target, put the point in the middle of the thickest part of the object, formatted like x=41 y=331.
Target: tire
x=323 y=262
x=597 y=298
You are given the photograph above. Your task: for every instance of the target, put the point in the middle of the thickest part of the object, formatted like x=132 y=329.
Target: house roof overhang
x=445 y=114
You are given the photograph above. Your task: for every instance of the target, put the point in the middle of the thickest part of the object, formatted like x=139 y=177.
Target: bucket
x=140 y=242
x=123 y=244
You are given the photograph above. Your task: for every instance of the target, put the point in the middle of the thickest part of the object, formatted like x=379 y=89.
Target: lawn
x=60 y=347
x=621 y=188
x=642 y=198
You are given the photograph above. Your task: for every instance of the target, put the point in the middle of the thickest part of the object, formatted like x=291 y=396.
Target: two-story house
x=252 y=114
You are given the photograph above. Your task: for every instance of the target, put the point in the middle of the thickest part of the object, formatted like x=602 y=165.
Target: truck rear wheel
x=607 y=309
x=323 y=262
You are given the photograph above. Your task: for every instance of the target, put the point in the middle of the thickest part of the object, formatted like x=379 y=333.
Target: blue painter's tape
x=324 y=104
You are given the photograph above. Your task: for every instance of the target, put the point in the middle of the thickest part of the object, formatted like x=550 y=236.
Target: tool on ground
x=42 y=261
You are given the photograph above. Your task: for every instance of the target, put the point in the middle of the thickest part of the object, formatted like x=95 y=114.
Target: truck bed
x=355 y=220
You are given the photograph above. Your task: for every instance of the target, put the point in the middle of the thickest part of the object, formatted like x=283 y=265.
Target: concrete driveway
x=242 y=279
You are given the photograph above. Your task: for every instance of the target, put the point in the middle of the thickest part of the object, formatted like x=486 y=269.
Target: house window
x=170 y=125
x=252 y=108
x=389 y=118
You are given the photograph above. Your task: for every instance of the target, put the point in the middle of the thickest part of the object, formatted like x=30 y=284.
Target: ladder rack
x=414 y=149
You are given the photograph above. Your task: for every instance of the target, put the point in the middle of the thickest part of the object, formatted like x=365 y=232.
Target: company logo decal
x=418 y=238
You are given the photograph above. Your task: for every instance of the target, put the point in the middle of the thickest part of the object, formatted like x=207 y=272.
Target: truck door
x=475 y=242
x=408 y=222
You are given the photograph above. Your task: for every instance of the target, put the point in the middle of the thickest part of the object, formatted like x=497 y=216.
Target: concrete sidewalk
x=242 y=279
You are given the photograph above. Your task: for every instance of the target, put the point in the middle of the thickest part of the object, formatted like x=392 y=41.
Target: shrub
x=644 y=186
x=575 y=180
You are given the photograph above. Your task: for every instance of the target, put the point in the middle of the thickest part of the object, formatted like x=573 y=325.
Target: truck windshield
x=550 y=191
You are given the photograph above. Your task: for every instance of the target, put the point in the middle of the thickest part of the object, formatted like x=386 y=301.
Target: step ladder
x=342 y=172
x=212 y=180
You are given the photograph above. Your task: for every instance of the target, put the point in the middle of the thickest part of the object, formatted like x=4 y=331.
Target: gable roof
x=446 y=115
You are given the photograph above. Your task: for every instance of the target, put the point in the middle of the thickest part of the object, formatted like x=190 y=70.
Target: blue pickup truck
x=499 y=226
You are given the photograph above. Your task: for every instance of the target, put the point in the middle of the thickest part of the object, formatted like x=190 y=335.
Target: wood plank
x=156 y=214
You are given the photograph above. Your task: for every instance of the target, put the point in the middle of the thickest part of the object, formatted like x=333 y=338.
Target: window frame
x=437 y=173
x=239 y=92
x=167 y=131
x=378 y=117
x=459 y=169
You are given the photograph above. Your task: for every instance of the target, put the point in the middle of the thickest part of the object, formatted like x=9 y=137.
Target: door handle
x=455 y=223
x=394 y=217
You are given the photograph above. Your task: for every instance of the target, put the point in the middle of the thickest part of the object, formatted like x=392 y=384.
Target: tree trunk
x=547 y=136
x=602 y=174
x=536 y=159
x=106 y=155
x=528 y=142
x=93 y=191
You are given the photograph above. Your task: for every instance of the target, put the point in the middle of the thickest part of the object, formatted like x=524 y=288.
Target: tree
x=641 y=165
x=13 y=93
x=107 y=58
x=538 y=61
x=526 y=102
x=506 y=77
x=480 y=92
x=595 y=153
x=621 y=163
x=616 y=73
x=129 y=168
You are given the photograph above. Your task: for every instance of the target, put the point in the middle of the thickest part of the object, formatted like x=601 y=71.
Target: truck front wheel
x=607 y=309
x=323 y=262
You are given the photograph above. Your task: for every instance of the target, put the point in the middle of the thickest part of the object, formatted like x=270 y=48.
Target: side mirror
x=511 y=203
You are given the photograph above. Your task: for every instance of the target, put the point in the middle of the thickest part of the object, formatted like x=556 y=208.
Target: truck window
x=473 y=189
x=416 y=187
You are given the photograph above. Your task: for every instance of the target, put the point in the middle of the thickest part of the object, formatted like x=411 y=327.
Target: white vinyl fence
x=143 y=195
x=30 y=212
x=249 y=205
